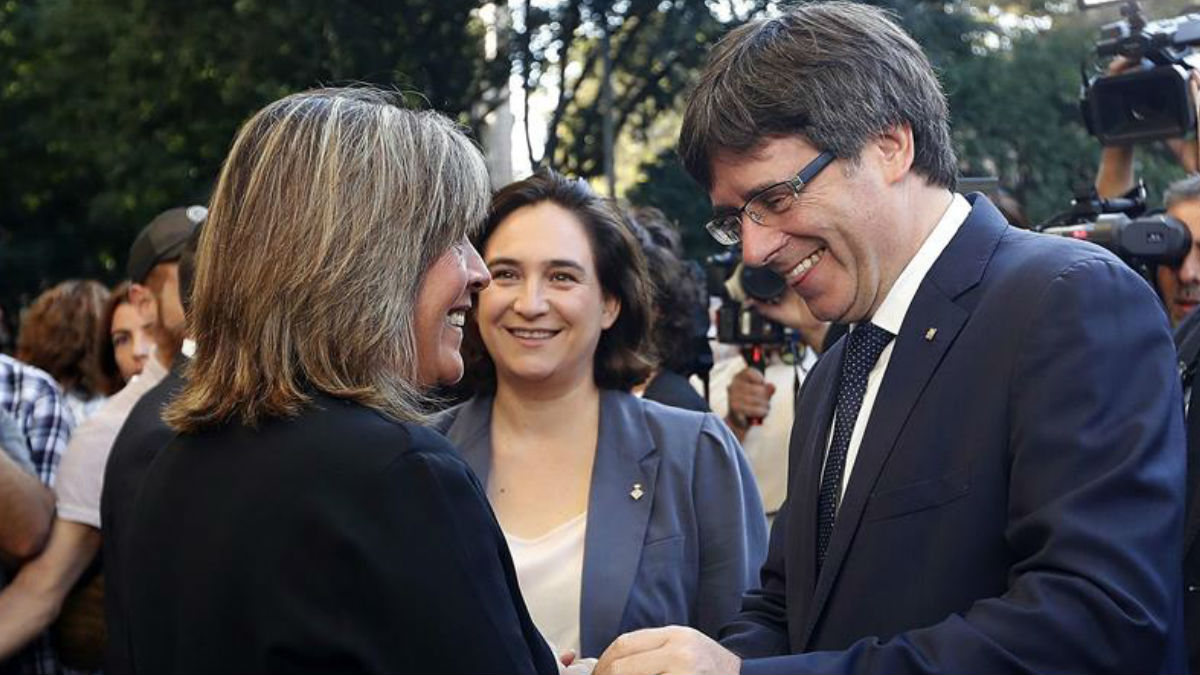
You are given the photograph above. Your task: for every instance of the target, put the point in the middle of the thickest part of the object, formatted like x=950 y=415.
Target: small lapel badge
x=637 y=491
x=929 y=334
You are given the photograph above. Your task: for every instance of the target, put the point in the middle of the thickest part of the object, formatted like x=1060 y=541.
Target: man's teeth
x=806 y=264
x=457 y=318
x=532 y=334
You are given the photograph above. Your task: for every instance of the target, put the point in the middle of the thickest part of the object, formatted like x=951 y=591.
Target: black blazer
x=670 y=388
x=337 y=541
x=1187 y=340
x=1017 y=501
x=141 y=438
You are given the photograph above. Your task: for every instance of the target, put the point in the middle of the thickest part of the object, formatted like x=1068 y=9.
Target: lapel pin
x=636 y=492
x=929 y=334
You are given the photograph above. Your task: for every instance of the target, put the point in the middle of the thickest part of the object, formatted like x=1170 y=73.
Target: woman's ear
x=610 y=312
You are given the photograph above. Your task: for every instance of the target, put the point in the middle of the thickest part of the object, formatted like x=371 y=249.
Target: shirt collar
x=890 y=315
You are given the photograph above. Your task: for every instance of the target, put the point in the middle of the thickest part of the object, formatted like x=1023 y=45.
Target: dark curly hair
x=623 y=354
x=58 y=335
x=678 y=295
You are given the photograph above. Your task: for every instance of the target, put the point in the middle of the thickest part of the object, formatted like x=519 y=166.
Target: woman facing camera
x=302 y=519
x=620 y=513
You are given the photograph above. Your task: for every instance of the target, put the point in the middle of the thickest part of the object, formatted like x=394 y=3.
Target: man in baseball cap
x=154 y=264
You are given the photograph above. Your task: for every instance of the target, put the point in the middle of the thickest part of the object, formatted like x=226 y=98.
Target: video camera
x=1148 y=103
x=730 y=280
x=1119 y=225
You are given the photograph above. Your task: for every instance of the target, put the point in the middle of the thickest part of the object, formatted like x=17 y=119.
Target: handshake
x=671 y=650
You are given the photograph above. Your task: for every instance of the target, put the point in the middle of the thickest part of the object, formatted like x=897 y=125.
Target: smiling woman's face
x=442 y=304
x=542 y=316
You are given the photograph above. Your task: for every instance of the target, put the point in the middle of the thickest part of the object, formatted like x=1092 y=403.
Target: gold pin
x=636 y=492
x=929 y=334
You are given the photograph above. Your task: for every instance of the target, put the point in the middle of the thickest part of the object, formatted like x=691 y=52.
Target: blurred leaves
x=113 y=111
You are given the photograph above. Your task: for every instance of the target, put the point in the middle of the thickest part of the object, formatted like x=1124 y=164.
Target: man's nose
x=758 y=242
x=1189 y=271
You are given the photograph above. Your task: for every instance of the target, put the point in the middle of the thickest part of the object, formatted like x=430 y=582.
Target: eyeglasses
x=765 y=206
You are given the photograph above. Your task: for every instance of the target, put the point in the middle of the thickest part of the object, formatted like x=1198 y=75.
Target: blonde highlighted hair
x=329 y=209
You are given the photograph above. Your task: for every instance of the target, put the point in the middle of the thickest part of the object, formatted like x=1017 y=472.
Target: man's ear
x=612 y=309
x=895 y=151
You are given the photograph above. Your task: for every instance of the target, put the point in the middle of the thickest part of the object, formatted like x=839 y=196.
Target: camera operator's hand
x=793 y=312
x=749 y=397
x=1115 y=176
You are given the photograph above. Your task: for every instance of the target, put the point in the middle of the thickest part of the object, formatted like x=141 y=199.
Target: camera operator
x=741 y=393
x=1179 y=287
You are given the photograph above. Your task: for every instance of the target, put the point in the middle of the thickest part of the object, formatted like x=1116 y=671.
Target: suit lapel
x=617 y=521
x=914 y=360
x=471 y=433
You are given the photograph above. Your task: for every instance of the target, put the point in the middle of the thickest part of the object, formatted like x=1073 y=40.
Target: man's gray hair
x=836 y=73
x=1182 y=190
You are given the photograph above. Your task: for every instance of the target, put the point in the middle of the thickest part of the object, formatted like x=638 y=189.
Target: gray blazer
x=675 y=529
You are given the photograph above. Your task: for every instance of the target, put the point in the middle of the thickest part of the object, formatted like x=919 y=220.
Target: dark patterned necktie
x=865 y=344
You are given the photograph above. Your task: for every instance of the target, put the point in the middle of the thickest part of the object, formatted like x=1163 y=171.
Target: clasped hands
x=671 y=650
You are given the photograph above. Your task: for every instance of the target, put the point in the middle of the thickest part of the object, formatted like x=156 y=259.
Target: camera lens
x=762 y=284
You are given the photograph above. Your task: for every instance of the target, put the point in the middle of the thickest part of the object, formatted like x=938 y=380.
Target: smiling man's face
x=837 y=245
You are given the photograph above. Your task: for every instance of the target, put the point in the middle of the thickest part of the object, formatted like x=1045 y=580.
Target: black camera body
x=1122 y=226
x=1150 y=103
x=733 y=282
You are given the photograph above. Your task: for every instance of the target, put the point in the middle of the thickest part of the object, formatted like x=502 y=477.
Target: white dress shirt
x=890 y=316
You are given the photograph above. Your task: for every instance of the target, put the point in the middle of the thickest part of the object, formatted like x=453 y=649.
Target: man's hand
x=749 y=397
x=793 y=312
x=672 y=650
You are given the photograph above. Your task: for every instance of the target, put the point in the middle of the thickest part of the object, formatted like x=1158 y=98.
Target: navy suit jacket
x=681 y=554
x=1017 y=500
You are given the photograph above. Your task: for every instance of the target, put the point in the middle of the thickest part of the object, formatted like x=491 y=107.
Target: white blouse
x=550 y=572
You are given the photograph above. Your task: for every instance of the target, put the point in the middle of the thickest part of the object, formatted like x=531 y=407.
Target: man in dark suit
x=1187 y=339
x=986 y=474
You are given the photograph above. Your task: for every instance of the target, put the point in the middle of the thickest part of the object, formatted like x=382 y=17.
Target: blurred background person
x=36 y=426
x=58 y=335
x=302 y=519
x=678 y=317
x=621 y=513
x=63 y=582
x=758 y=402
x=139 y=441
x=126 y=335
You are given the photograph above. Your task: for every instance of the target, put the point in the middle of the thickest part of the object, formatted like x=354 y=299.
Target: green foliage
x=116 y=110
x=1014 y=102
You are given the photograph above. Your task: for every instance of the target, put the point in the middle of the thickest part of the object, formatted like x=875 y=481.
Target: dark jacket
x=141 y=438
x=337 y=541
x=1017 y=501
x=670 y=388
x=1187 y=340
